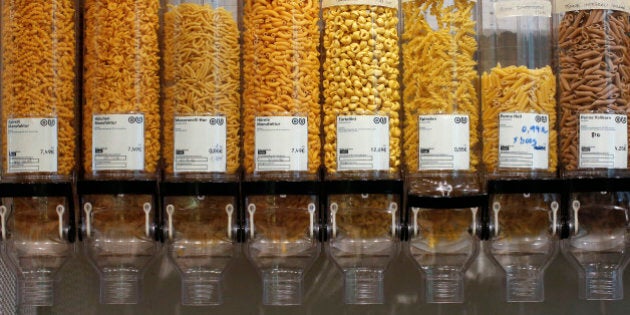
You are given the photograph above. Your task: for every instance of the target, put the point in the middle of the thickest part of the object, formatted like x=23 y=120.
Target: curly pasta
x=39 y=72
x=363 y=217
x=121 y=70
x=282 y=218
x=361 y=74
x=201 y=73
x=281 y=71
x=439 y=74
x=199 y=221
x=594 y=72
x=443 y=226
x=522 y=90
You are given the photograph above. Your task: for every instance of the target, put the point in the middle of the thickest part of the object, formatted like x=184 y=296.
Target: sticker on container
x=562 y=6
x=603 y=141
x=118 y=142
x=362 y=143
x=381 y=3
x=515 y=8
x=281 y=143
x=444 y=142
x=199 y=144
x=523 y=140
x=32 y=145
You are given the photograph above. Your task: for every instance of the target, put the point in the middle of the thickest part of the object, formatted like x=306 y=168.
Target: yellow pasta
x=516 y=89
x=201 y=73
x=360 y=216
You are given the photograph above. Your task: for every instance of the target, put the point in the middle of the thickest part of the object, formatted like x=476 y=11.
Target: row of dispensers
x=282 y=225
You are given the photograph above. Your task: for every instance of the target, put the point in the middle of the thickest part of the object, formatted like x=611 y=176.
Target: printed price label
x=514 y=8
x=523 y=140
x=281 y=143
x=444 y=142
x=562 y=6
x=603 y=141
x=381 y=3
x=32 y=145
x=118 y=142
x=362 y=143
x=199 y=144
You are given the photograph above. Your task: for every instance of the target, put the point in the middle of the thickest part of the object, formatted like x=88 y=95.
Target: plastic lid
x=36 y=288
x=364 y=286
x=282 y=287
x=120 y=286
x=603 y=285
x=199 y=291
x=445 y=287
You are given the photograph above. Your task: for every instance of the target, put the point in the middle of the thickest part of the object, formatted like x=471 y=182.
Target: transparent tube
x=282 y=243
x=200 y=233
x=119 y=243
x=441 y=143
x=597 y=246
x=201 y=86
x=39 y=90
x=363 y=242
x=518 y=89
x=281 y=109
x=593 y=70
x=361 y=90
x=524 y=242
x=444 y=249
x=121 y=89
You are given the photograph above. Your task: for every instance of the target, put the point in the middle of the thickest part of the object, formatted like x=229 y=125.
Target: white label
x=444 y=142
x=362 y=143
x=514 y=8
x=199 y=144
x=118 y=142
x=32 y=145
x=562 y=6
x=380 y=3
x=603 y=141
x=523 y=140
x=281 y=143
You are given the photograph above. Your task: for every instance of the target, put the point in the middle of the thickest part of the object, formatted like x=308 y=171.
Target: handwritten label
x=363 y=143
x=562 y=6
x=281 y=143
x=515 y=8
x=444 y=142
x=381 y=3
x=603 y=141
x=523 y=140
x=32 y=145
x=199 y=144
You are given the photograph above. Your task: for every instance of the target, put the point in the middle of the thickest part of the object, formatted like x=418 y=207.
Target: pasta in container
x=361 y=89
x=201 y=90
x=39 y=90
x=594 y=70
x=281 y=109
x=441 y=129
x=121 y=89
x=518 y=89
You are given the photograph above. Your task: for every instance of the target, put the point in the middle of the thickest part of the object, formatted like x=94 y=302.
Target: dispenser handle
x=393 y=208
x=554 y=216
x=311 y=214
x=87 y=208
x=334 y=207
x=415 y=212
x=474 y=211
x=3 y=219
x=146 y=207
x=229 y=209
x=170 y=210
x=575 y=205
x=60 y=211
x=251 y=209
x=496 y=207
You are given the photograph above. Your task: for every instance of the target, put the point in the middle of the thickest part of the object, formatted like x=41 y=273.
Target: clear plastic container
x=282 y=243
x=121 y=89
x=34 y=230
x=593 y=83
x=361 y=86
x=441 y=128
x=363 y=241
x=518 y=89
x=598 y=244
x=523 y=241
x=200 y=232
x=281 y=109
x=119 y=237
x=39 y=90
x=442 y=245
x=201 y=88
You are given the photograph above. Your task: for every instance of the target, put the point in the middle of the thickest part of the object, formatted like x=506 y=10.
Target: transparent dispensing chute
x=363 y=242
x=598 y=243
x=200 y=245
x=34 y=230
x=119 y=239
x=524 y=241
x=443 y=243
x=282 y=243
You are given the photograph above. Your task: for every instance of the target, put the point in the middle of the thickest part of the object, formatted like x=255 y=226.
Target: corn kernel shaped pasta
x=361 y=73
x=439 y=74
x=201 y=73
x=39 y=71
x=121 y=70
x=281 y=70
x=516 y=89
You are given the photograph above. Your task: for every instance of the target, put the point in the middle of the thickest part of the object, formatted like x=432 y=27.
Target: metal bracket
x=170 y=210
x=87 y=208
x=251 y=209
x=60 y=211
x=229 y=209
x=334 y=207
x=311 y=213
